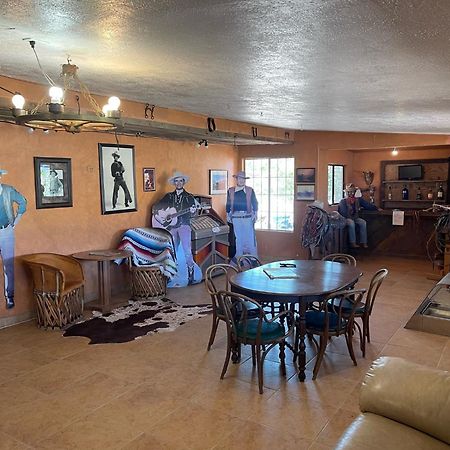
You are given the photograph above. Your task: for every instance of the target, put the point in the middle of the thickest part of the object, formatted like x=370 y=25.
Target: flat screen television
x=410 y=172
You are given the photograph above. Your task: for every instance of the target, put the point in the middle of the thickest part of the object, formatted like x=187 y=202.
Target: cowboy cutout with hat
x=242 y=212
x=173 y=212
x=9 y=218
x=117 y=171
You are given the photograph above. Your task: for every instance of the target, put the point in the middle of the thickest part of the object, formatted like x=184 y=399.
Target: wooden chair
x=246 y=262
x=258 y=331
x=213 y=289
x=58 y=288
x=333 y=319
x=341 y=258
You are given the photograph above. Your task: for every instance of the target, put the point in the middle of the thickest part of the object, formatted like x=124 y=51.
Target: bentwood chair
x=259 y=331
x=341 y=258
x=246 y=262
x=329 y=319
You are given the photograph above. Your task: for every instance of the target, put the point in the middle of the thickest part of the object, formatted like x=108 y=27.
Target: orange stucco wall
x=357 y=151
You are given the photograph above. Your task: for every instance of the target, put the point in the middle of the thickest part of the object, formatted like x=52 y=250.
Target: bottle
x=405 y=193
x=390 y=193
x=430 y=194
x=418 y=194
x=440 y=193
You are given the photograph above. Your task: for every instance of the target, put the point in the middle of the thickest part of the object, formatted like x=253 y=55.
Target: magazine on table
x=281 y=273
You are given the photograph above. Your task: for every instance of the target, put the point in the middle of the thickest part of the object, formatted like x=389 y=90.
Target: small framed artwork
x=149 y=179
x=117 y=180
x=305 y=192
x=218 y=181
x=53 y=182
x=306 y=175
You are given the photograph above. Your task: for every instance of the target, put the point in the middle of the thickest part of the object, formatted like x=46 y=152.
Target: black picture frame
x=306 y=175
x=149 y=179
x=53 y=182
x=218 y=181
x=110 y=184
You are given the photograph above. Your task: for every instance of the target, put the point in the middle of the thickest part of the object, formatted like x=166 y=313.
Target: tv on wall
x=410 y=172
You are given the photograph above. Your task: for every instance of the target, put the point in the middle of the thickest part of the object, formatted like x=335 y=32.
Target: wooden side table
x=103 y=258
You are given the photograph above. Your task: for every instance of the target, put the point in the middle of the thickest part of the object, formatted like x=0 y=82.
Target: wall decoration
x=305 y=192
x=149 y=179
x=306 y=175
x=117 y=180
x=218 y=182
x=53 y=182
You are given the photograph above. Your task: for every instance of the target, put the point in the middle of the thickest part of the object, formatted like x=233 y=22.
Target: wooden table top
x=102 y=255
x=315 y=278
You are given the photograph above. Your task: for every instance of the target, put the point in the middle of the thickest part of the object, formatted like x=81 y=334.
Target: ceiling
x=351 y=65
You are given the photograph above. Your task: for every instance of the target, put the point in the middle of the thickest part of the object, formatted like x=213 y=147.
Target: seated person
x=349 y=208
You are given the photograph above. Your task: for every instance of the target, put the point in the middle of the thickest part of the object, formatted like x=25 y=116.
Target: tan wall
x=83 y=227
x=318 y=149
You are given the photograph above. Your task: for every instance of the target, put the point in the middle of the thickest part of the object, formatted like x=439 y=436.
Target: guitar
x=168 y=218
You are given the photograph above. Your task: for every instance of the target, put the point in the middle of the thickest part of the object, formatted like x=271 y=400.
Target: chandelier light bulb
x=56 y=94
x=18 y=101
x=106 y=108
x=114 y=103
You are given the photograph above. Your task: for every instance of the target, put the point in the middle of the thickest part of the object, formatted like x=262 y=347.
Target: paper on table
x=280 y=273
x=398 y=217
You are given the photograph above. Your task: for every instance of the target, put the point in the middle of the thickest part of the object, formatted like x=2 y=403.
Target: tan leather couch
x=403 y=406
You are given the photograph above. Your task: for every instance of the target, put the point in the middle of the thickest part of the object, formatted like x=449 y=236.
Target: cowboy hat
x=350 y=187
x=177 y=174
x=241 y=174
x=116 y=154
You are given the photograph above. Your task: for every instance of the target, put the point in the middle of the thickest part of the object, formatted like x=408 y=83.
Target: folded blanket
x=151 y=247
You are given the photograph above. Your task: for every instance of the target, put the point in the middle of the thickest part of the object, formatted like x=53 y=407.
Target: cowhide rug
x=136 y=320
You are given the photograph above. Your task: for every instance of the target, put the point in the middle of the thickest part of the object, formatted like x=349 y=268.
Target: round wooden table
x=305 y=282
x=103 y=257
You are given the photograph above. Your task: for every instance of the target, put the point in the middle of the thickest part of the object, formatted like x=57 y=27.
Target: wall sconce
x=394 y=151
x=202 y=142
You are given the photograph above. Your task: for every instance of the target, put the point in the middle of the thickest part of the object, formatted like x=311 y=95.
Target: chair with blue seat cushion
x=328 y=319
x=261 y=332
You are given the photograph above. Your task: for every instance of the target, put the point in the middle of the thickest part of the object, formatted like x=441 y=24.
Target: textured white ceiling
x=355 y=65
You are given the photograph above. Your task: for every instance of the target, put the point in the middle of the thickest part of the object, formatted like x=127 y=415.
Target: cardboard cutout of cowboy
x=242 y=212
x=9 y=218
x=173 y=212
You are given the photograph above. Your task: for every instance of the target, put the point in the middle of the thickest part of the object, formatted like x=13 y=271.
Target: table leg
x=301 y=324
x=104 y=285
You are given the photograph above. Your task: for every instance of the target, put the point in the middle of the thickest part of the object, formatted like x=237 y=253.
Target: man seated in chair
x=349 y=208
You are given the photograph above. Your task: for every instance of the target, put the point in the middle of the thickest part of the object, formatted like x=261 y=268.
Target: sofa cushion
x=371 y=431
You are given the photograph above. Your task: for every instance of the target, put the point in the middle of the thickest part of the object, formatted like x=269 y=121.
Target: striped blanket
x=151 y=247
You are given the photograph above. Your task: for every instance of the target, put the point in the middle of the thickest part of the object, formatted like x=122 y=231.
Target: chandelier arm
x=35 y=109
x=87 y=95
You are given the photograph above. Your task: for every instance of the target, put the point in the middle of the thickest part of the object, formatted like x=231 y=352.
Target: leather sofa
x=403 y=406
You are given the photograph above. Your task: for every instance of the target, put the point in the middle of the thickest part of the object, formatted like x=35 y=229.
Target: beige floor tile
x=420 y=341
x=13 y=365
x=429 y=358
x=444 y=362
x=9 y=443
x=334 y=429
x=148 y=442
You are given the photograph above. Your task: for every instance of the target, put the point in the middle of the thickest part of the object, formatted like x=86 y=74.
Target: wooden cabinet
x=436 y=174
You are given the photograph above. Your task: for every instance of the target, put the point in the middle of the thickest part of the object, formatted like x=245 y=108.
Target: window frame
x=269 y=158
x=333 y=183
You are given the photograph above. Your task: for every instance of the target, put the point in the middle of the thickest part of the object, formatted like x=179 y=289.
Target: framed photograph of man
x=306 y=175
x=218 y=182
x=305 y=192
x=53 y=182
x=117 y=178
x=149 y=179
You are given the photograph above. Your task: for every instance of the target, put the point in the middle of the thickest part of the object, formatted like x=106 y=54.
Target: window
x=273 y=182
x=335 y=183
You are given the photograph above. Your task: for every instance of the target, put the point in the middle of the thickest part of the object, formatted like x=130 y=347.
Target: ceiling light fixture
x=202 y=142
x=57 y=119
x=394 y=151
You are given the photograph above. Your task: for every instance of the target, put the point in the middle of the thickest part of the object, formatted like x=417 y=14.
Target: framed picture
x=305 y=192
x=117 y=180
x=218 y=181
x=149 y=179
x=306 y=175
x=53 y=182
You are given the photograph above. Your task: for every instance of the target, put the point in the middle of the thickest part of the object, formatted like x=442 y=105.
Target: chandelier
x=55 y=118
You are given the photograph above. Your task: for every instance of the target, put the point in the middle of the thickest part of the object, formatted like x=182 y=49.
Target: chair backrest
x=375 y=284
x=246 y=262
x=213 y=286
x=340 y=258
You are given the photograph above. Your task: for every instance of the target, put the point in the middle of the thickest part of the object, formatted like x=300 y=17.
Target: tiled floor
x=164 y=391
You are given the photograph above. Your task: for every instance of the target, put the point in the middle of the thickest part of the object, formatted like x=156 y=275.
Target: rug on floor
x=135 y=320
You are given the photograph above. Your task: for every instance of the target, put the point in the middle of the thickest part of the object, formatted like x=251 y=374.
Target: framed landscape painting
x=306 y=175
x=218 y=181
x=305 y=192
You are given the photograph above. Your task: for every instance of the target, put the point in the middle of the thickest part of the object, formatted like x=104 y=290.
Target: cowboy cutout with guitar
x=173 y=212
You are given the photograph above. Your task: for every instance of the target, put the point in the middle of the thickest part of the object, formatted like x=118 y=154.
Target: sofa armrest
x=408 y=393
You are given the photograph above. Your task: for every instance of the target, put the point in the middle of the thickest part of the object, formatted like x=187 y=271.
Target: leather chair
x=58 y=288
x=403 y=406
